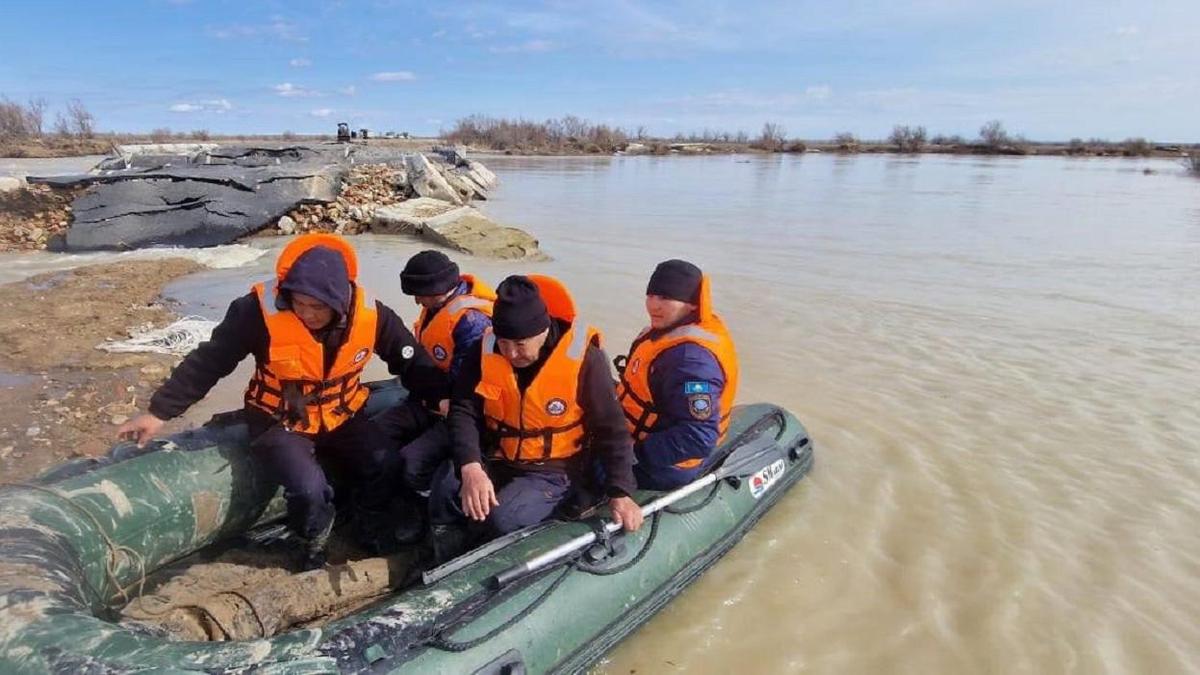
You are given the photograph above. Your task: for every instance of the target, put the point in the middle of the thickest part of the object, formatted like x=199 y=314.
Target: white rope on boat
x=178 y=338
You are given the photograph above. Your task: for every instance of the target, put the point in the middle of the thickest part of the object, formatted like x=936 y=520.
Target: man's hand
x=478 y=494
x=626 y=513
x=443 y=408
x=141 y=429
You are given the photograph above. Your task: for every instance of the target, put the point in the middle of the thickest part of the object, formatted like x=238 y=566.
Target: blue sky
x=1049 y=70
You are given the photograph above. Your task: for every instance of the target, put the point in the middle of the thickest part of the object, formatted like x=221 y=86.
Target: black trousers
x=303 y=464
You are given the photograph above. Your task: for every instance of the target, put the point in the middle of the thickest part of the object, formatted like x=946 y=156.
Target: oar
x=744 y=461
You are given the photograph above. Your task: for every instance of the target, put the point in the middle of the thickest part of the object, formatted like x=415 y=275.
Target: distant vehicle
x=343 y=132
x=362 y=133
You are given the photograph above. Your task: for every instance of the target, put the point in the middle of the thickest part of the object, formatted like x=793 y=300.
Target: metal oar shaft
x=562 y=550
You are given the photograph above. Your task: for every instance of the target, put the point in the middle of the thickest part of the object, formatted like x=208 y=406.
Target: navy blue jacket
x=685 y=381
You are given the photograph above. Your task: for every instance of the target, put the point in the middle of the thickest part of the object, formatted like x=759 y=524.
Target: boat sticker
x=700 y=405
x=439 y=352
x=764 y=478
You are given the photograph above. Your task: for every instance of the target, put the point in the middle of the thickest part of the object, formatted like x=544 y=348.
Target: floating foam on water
x=19 y=266
x=216 y=257
x=179 y=338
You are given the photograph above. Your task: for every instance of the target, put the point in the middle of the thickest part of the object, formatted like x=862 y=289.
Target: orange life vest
x=545 y=422
x=438 y=337
x=634 y=391
x=295 y=366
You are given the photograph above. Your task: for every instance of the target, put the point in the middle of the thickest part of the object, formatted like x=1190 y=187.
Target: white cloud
x=348 y=91
x=394 y=76
x=818 y=92
x=215 y=105
x=277 y=29
x=527 y=47
x=299 y=63
x=290 y=90
x=322 y=112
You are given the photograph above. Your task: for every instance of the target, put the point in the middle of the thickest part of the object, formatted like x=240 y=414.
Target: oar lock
x=607 y=545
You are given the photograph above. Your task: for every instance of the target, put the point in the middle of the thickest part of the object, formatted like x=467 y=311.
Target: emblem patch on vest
x=361 y=354
x=407 y=352
x=700 y=405
x=556 y=407
x=439 y=352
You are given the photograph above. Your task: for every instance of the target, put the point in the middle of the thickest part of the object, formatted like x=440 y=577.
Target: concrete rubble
x=202 y=194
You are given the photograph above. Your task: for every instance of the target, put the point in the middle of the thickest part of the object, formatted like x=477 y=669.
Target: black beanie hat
x=519 y=311
x=676 y=279
x=429 y=273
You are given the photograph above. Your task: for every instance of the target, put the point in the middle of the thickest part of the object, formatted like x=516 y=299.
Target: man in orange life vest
x=538 y=391
x=679 y=380
x=312 y=330
x=456 y=310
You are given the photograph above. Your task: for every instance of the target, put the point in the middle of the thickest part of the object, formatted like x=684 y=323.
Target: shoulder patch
x=697 y=388
x=407 y=352
x=700 y=406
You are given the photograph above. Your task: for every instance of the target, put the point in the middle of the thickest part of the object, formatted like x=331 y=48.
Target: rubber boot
x=314 y=554
x=410 y=520
x=449 y=542
x=372 y=533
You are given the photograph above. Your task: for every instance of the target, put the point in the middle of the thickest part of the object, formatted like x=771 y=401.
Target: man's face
x=432 y=302
x=313 y=313
x=665 y=312
x=523 y=352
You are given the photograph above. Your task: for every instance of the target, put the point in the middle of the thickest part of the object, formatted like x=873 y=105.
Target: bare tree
x=35 y=115
x=80 y=120
x=993 y=134
x=62 y=128
x=12 y=120
x=772 y=137
x=846 y=142
x=908 y=139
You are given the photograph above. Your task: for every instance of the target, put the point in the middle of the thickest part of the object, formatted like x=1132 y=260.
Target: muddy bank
x=59 y=395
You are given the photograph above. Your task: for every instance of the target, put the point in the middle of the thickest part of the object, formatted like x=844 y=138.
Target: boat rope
x=680 y=510
x=110 y=560
x=442 y=640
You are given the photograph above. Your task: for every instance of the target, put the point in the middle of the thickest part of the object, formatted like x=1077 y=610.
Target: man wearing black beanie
x=679 y=379
x=532 y=412
x=456 y=309
x=311 y=330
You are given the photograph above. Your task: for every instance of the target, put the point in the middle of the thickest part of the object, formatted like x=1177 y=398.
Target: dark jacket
x=243 y=332
x=679 y=433
x=608 y=441
x=467 y=332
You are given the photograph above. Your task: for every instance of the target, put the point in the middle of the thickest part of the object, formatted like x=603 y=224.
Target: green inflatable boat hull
x=79 y=541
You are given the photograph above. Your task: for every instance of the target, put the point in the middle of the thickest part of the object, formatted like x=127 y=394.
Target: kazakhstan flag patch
x=697 y=388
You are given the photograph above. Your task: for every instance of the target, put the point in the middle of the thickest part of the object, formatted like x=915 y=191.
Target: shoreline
x=61 y=395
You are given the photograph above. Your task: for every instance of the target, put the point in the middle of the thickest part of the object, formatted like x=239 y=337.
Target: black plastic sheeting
x=206 y=199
